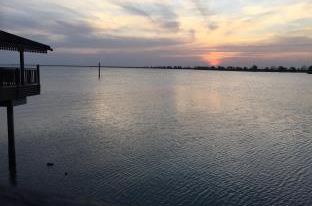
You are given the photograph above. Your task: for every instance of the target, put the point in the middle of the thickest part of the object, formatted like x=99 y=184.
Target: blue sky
x=162 y=32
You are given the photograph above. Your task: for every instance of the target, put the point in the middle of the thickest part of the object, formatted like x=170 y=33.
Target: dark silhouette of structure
x=16 y=84
x=99 y=70
x=254 y=68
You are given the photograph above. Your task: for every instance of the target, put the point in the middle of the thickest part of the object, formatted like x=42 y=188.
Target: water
x=161 y=137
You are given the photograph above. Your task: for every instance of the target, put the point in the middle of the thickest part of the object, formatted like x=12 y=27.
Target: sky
x=163 y=32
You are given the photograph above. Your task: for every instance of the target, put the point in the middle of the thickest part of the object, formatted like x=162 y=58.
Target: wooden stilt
x=22 y=66
x=11 y=143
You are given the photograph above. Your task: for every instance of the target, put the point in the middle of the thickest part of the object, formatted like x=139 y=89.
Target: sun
x=213 y=58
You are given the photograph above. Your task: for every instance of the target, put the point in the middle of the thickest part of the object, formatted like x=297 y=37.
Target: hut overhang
x=13 y=42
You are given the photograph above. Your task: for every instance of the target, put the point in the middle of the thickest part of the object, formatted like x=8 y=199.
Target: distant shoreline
x=254 y=68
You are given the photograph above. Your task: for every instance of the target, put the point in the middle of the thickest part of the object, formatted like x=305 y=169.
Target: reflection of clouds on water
x=165 y=136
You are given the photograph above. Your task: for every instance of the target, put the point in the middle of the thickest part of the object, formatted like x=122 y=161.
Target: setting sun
x=213 y=58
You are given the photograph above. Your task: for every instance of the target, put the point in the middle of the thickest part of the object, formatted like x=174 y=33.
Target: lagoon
x=166 y=137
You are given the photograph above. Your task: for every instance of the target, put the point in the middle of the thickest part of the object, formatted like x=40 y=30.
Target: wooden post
x=17 y=77
x=11 y=143
x=38 y=74
x=99 y=70
x=22 y=66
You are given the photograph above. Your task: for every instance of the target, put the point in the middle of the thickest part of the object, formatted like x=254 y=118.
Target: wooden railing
x=12 y=77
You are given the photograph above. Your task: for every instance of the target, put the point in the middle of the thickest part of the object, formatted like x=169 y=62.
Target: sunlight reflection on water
x=161 y=137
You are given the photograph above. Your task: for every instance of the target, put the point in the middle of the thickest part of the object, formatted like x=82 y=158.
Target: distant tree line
x=254 y=68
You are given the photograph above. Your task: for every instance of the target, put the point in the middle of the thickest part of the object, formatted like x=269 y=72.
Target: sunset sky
x=163 y=32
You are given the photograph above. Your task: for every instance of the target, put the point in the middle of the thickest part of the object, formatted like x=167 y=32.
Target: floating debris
x=50 y=164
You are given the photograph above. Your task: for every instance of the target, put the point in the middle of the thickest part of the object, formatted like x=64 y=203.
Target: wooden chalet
x=17 y=83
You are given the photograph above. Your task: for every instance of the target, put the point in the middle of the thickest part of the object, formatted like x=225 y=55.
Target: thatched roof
x=16 y=43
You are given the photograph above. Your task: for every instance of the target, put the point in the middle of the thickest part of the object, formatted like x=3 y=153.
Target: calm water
x=160 y=137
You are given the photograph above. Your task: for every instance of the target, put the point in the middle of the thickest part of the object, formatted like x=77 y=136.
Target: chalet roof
x=16 y=43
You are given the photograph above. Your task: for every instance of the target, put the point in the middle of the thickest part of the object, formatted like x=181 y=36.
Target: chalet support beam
x=11 y=143
x=38 y=73
x=11 y=137
x=22 y=66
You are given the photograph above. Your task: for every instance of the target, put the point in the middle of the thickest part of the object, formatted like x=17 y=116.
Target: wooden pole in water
x=38 y=73
x=11 y=138
x=22 y=66
x=99 y=70
x=11 y=143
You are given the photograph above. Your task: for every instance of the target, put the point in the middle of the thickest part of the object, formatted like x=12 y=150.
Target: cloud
x=276 y=44
x=72 y=33
x=206 y=14
x=47 y=23
x=280 y=50
x=179 y=31
x=213 y=26
x=114 y=42
x=158 y=14
x=202 y=8
x=70 y=29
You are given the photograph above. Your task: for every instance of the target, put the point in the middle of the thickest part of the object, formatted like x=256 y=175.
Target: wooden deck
x=14 y=88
